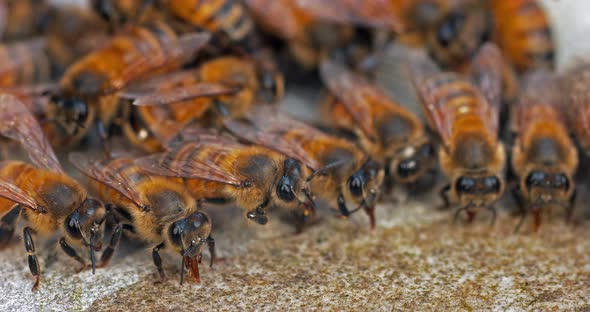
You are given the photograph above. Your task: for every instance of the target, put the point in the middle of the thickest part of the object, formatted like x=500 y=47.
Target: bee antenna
x=92 y=256
x=322 y=170
x=310 y=199
x=182 y=269
x=211 y=244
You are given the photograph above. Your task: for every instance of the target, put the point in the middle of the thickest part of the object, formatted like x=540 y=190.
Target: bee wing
x=17 y=195
x=197 y=134
x=540 y=91
x=102 y=173
x=270 y=140
x=374 y=13
x=179 y=94
x=351 y=89
x=20 y=125
x=486 y=71
x=173 y=53
x=181 y=163
x=273 y=15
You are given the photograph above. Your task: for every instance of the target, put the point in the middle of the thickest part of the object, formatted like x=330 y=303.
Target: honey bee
x=43 y=194
x=385 y=130
x=526 y=39
x=23 y=19
x=523 y=32
x=315 y=30
x=227 y=17
x=574 y=82
x=157 y=209
x=89 y=88
x=465 y=120
x=458 y=33
x=341 y=171
x=43 y=59
x=544 y=156
x=219 y=88
x=219 y=169
x=123 y=12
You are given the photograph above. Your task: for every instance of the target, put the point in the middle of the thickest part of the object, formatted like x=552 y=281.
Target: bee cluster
x=195 y=87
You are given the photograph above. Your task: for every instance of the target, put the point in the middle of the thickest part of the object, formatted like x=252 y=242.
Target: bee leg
x=520 y=203
x=492 y=209
x=158 y=261
x=444 y=195
x=570 y=207
x=342 y=206
x=300 y=220
x=72 y=253
x=538 y=218
x=458 y=213
x=7 y=225
x=104 y=136
x=370 y=210
x=32 y=257
x=110 y=250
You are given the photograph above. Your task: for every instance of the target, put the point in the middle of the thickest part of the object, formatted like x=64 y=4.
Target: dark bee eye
x=407 y=168
x=492 y=184
x=449 y=28
x=284 y=190
x=426 y=151
x=72 y=226
x=175 y=232
x=465 y=185
x=561 y=181
x=535 y=178
x=355 y=184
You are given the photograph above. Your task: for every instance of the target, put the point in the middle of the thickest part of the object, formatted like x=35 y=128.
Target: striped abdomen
x=137 y=53
x=523 y=32
x=227 y=16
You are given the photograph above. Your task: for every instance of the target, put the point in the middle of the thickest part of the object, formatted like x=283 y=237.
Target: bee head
x=478 y=190
x=365 y=184
x=86 y=224
x=458 y=34
x=412 y=163
x=73 y=112
x=546 y=188
x=189 y=235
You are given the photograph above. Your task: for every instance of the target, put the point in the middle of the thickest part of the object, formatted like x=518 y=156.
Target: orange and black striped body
x=523 y=32
x=309 y=39
x=257 y=171
x=167 y=198
x=384 y=129
x=227 y=17
x=58 y=193
x=328 y=150
x=25 y=62
x=544 y=157
x=135 y=53
x=156 y=209
x=149 y=127
x=471 y=155
x=90 y=85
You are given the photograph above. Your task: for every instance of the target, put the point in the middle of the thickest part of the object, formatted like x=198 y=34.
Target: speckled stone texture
x=416 y=259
